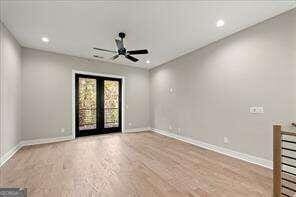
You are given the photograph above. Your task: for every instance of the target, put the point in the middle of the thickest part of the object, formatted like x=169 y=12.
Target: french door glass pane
x=111 y=103
x=87 y=103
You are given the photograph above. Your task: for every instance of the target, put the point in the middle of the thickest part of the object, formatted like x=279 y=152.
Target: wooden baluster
x=277 y=160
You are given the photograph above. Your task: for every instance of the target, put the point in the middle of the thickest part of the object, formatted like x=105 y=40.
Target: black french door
x=97 y=105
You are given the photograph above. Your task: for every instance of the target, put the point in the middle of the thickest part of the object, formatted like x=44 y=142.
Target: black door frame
x=100 y=108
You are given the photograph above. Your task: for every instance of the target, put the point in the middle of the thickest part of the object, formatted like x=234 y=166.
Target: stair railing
x=284 y=162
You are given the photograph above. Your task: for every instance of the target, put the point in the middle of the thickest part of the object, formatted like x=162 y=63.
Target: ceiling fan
x=121 y=50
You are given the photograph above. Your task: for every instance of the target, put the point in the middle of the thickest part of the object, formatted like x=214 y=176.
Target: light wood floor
x=137 y=164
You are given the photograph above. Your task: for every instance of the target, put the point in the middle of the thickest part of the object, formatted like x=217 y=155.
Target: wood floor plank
x=136 y=164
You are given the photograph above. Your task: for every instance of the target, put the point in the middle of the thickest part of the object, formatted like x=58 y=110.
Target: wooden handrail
x=277 y=163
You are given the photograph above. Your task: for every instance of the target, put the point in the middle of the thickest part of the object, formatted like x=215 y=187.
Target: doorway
x=97 y=105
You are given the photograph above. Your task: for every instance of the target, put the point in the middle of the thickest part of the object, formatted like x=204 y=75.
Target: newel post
x=277 y=163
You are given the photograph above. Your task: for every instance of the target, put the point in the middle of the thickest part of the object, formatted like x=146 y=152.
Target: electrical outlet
x=126 y=106
x=260 y=110
x=129 y=124
x=62 y=130
x=226 y=140
x=171 y=90
x=179 y=130
x=256 y=110
x=170 y=127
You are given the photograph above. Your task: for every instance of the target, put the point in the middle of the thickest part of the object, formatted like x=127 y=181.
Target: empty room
x=148 y=98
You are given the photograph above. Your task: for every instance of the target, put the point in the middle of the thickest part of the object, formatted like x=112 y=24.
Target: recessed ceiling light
x=220 y=23
x=45 y=39
x=147 y=61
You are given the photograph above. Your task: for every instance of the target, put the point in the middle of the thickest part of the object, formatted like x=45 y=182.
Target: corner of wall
x=10 y=63
x=1 y=89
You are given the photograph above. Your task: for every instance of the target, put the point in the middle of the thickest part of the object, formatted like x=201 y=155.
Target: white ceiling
x=168 y=29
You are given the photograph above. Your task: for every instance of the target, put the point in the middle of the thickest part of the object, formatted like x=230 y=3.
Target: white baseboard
x=245 y=157
x=9 y=154
x=45 y=140
x=137 y=130
x=21 y=144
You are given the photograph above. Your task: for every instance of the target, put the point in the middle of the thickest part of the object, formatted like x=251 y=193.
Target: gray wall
x=47 y=90
x=10 y=100
x=215 y=86
x=213 y=89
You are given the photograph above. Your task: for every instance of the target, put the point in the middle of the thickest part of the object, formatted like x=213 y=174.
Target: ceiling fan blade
x=136 y=52
x=114 y=57
x=131 y=58
x=95 y=48
x=119 y=44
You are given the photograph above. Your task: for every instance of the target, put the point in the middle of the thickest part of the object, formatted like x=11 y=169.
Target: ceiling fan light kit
x=121 y=50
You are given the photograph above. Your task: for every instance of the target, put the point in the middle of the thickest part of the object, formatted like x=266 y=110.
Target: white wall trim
x=45 y=140
x=103 y=75
x=242 y=156
x=134 y=130
x=9 y=154
x=2 y=96
x=21 y=144
x=245 y=157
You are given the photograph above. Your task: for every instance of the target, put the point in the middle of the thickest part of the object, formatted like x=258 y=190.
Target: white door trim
x=102 y=75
